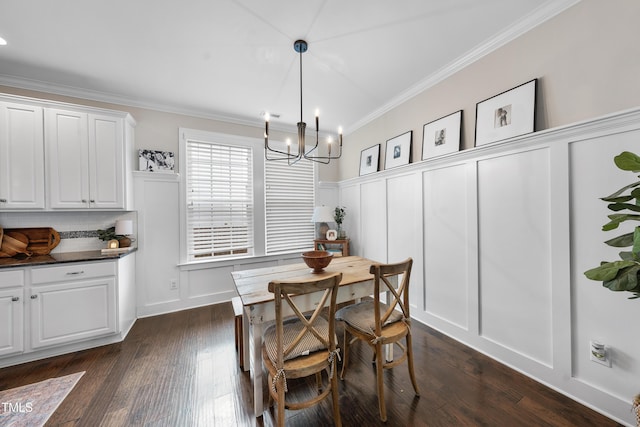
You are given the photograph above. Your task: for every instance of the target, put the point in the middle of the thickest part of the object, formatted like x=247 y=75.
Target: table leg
x=256 y=368
x=246 y=350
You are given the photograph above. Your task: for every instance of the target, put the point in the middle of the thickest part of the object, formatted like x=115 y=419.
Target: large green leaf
x=612 y=197
x=625 y=280
x=616 y=219
x=628 y=256
x=621 y=241
x=616 y=207
x=627 y=161
x=636 y=241
x=608 y=270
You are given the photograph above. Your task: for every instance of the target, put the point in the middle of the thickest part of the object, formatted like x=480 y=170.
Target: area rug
x=32 y=405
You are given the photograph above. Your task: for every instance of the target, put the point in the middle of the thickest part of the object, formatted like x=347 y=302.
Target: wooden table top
x=252 y=285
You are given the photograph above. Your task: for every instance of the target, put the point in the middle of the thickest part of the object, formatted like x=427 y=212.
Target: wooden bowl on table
x=317 y=260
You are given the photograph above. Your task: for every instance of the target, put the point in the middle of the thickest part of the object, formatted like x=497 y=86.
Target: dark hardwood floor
x=180 y=369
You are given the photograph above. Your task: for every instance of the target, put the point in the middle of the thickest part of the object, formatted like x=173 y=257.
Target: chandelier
x=300 y=46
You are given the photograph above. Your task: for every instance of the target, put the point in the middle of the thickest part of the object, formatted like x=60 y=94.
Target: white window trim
x=258 y=193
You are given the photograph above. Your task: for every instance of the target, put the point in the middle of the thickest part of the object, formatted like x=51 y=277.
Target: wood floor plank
x=181 y=369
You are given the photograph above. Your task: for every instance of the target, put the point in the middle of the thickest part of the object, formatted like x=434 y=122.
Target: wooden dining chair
x=304 y=344
x=377 y=323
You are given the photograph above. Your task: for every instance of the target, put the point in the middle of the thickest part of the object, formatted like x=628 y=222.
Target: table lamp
x=322 y=215
x=124 y=227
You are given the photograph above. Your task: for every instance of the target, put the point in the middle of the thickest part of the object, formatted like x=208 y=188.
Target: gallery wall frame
x=156 y=161
x=369 y=160
x=398 y=150
x=506 y=115
x=442 y=136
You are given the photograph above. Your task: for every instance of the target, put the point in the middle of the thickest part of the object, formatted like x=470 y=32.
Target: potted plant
x=622 y=275
x=338 y=216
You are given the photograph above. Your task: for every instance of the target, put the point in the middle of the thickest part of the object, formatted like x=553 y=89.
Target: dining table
x=259 y=307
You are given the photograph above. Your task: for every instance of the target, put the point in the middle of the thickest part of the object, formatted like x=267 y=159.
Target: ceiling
x=234 y=59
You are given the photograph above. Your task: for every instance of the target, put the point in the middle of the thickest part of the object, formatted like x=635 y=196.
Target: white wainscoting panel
x=373 y=217
x=350 y=199
x=446 y=244
x=404 y=230
x=598 y=313
x=158 y=237
x=515 y=250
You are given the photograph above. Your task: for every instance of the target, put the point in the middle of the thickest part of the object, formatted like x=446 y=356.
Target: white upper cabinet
x=58 y=156
x=21 y=157
x=85 y=159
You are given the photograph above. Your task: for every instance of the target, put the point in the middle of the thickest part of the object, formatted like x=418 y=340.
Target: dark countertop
x=60 y=258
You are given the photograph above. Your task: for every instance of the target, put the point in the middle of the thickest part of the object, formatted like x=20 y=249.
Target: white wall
x=501 y=236
x=158 y=256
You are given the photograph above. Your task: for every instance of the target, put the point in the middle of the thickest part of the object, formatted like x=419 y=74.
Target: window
x=219 y=197
x=236 y=204
x=289 y=202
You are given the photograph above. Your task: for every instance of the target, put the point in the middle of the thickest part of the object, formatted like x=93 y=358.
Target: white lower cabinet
x=72 y=302
x=50 y=310
x=71 y=311
x=11 y=321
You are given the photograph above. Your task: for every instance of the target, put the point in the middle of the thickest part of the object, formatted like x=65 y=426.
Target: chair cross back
x=400 y=294
x=286 y=290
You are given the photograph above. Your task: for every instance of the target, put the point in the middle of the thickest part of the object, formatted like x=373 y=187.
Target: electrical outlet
x=600 y=353
x=173 y=284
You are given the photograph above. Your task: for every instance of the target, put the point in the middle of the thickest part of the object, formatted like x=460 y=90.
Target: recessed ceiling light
x=2 y=41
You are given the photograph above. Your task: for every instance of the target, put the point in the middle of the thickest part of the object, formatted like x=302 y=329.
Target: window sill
x=253 y=259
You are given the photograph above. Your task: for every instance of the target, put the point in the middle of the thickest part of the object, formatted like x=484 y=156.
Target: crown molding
x=537 y=17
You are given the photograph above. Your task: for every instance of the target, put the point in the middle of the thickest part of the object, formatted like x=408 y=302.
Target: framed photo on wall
x=442 y=136
x=369 y=160
x=156 y=161
x=398 y=151
x=511 y=113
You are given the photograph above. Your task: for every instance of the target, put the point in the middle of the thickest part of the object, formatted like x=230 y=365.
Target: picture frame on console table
x=369 y=160
x=442 y=136
x=506 y=115
x=398 y=151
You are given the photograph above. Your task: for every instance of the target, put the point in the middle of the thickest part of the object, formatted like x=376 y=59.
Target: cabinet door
x=67 y=159
x=106 y=162
x=21 y=157
x=11 y=321
x=74 y=311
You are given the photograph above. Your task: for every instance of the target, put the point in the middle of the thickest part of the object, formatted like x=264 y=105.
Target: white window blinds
x=289 y=202
x=219 y=196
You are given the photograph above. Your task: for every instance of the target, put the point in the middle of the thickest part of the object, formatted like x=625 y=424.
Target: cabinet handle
x=75 y=273
x=92 y=201
x=3 y=200
x=34 y=296
x=14 y=299
x=84 y=200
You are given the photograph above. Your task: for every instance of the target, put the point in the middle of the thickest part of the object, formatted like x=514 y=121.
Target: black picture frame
x=398 y=150
x=370 y=160
x=506 y=115
x=442 y=136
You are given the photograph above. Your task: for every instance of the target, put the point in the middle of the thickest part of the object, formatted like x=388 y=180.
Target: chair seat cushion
x=361 y=316
x=291 y=328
